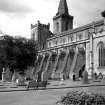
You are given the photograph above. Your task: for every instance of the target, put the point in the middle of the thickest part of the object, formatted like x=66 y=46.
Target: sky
x=16 y=16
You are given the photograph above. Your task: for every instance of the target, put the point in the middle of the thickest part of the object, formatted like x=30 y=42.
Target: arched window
x=57 y=27
x=101 y=51
x=66 y=26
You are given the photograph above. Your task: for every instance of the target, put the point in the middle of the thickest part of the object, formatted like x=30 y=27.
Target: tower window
x=66 y=26
x=57 y=27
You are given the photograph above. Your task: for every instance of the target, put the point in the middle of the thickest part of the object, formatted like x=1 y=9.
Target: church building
x=68 y=50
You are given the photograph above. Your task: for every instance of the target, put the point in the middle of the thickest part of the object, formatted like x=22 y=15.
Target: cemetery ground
x=10 y=94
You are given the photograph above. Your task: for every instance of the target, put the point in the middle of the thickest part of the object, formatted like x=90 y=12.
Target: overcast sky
x=17 y=15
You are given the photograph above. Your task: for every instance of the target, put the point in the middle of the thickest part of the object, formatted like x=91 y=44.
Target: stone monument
x=4 y=75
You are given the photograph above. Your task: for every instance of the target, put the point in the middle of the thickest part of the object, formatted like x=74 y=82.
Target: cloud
x=14 y=7
x=19 y=14
x=86 y=11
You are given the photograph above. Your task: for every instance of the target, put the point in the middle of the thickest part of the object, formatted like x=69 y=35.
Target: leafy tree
x=17 y=53
x=103 y=13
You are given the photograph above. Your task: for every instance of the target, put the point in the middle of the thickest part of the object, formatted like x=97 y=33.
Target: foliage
x=17 y=53
x=103 y=13
x=82 y=98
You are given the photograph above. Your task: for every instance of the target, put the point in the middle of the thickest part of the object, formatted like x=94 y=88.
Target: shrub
x=82 y=98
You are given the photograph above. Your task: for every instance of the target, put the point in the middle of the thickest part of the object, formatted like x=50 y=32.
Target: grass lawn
x=41 y=97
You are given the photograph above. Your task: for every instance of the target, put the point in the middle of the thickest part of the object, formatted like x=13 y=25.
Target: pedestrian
x=74 y=77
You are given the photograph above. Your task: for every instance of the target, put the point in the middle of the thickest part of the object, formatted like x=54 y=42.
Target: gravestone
x=35 y=77
x=4 y=75
x=15 y=76
x=100 y=76
x=20 y=81
x=95 y=76
x=85 y=77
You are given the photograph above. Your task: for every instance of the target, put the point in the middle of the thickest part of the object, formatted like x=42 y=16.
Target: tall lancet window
x=57 y=27
x=101 y=51
x=66 y=26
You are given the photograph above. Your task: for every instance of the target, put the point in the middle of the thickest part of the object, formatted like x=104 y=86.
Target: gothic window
x=43 y=46
x=99 y=29
x=60 y=40
x=86 y=32
x=55 y=42
x=69 y=38
x=101 y=51
x=72 y=38
x=57 y=27
x=49 y=44
x=66 y=26
x=33 y=36
x=80 y=36
x=64 y=40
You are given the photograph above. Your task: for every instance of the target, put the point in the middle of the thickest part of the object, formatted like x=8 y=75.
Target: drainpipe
x=92 y=34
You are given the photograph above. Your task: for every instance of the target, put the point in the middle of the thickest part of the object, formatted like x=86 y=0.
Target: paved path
x=9 y=86
x=12 y=95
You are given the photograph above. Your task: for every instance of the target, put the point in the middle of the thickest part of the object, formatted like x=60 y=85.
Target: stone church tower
x=62 y=21
x=40 y=33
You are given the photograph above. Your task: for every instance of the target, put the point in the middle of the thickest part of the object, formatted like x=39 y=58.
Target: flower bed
x=82 y=98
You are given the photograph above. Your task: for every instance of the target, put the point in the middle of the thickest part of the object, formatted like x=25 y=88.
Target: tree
x=17 y=53
x=103 y=14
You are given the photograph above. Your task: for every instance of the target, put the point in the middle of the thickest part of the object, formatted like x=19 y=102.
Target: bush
x=82 y=98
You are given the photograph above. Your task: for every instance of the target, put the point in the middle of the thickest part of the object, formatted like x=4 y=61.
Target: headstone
x=35 y=77
x=100 y=76
x=53 y=75
x=95 y=76
x=61 y=76
x=85 y=77
x=4 y=75
x=61 y=81
x=15 y=76
x=20 y=81
x=17 y=81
